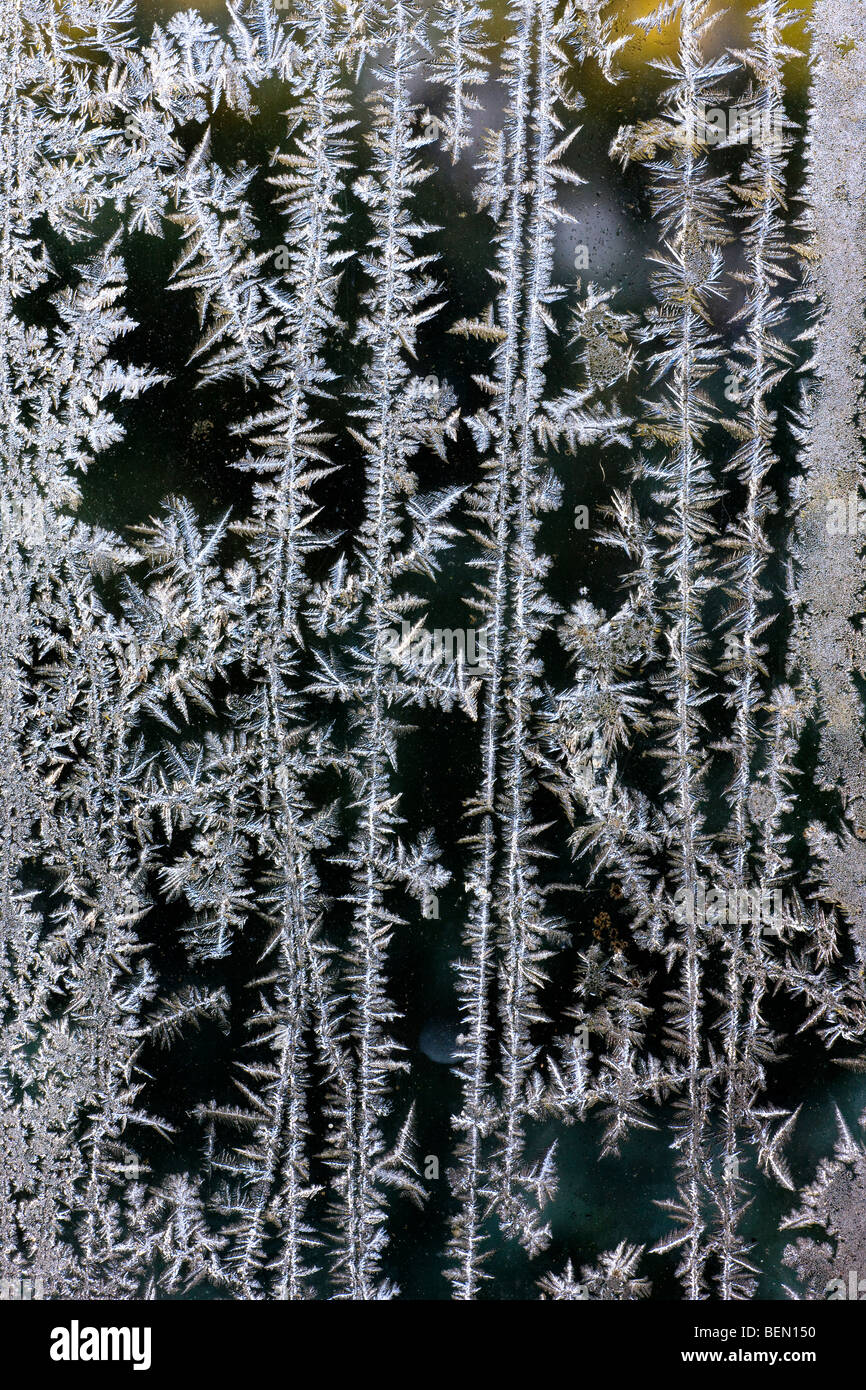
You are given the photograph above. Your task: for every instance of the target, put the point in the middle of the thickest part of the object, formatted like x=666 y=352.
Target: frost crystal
x=430 y=636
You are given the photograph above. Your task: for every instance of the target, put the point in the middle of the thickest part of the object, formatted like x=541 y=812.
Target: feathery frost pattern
x=431 y=649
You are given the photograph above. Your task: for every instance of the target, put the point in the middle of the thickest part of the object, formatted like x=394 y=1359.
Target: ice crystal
x=263 y=803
